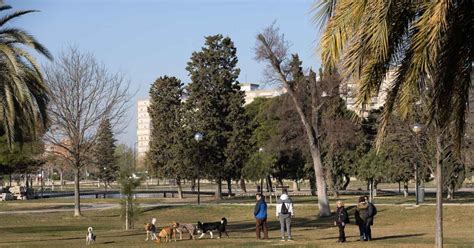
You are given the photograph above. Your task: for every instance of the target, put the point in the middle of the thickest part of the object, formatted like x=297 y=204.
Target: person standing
x=371 y=212
x=360 y=215
x=342 y=219
x=260 y=214
x=284 y=212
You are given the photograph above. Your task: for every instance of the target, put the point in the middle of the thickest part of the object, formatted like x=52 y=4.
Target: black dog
x=220 y=227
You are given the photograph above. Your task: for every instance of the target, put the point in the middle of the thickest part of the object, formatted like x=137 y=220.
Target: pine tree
x=214 y=83
x=168 y=137
x=238 y=146
x=104 y=154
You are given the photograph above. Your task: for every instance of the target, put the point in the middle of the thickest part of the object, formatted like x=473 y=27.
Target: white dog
x=90 y=238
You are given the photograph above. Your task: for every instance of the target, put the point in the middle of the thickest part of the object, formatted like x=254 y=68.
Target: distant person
x=284 y=212
x=371 y=212
x=360 y=215
x=342 y=219
x=260 y=214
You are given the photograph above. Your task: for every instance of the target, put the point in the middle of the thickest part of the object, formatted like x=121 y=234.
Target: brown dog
x=167 y=233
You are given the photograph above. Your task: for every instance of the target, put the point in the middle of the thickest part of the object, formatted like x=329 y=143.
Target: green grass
x=395 y=226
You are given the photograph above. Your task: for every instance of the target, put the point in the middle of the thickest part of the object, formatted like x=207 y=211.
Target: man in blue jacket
x=260 y=214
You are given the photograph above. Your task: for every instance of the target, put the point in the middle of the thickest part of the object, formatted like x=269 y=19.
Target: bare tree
x=273 y=48
x=83 y=93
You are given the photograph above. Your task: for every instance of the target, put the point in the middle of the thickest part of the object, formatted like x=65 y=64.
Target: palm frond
x=323 y=11
x=19 y=36
x=16 y=14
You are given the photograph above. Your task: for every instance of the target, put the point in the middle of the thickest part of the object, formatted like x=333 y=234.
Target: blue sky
x=146 y=39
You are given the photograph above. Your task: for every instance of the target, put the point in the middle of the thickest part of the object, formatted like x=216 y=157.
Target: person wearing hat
x=284 y=212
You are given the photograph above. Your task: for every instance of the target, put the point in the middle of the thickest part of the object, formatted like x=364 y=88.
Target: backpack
x=284 y=209
x=347 y=220
x=374 y=210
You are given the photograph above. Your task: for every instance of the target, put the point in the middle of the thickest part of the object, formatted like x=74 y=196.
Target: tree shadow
x=149 y=209
x=399 y=236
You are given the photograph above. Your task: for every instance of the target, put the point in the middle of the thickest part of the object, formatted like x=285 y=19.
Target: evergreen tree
x=213 y=88
x=104 y=154
x=238 y=147
x=167 y=139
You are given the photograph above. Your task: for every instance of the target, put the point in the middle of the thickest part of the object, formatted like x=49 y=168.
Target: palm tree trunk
x=77 y=196
x=439 y=194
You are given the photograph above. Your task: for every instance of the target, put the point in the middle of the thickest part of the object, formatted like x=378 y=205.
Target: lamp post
x=260 y=151
x=417 y=128
x=198 y=137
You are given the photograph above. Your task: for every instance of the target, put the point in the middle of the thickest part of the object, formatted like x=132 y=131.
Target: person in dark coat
x=342 y=219
x=371 y=212
x=360 y=215
x=260 y=214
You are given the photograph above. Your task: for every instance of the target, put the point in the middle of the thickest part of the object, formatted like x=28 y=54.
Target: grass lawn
x=395 y=226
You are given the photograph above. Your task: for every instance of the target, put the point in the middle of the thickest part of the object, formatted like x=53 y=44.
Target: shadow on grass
x=399 y=236
x=39 y=229
x=274 y=224
x=114 y=235
x=149 y=209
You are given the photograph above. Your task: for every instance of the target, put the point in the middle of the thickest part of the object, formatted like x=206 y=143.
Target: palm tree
x=23 y=92
x=427 y=44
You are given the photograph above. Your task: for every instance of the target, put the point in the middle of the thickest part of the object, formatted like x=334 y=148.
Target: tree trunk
x=269 y=184
x=193 y=185
x=311 y=132
x=312 y=186
x=242 y=185
x=127 y=219
x=295 y=185
x=405 y=189
x=61 y=178
x=229 y=187
x=371 y=190
x=331 y=185
x=347 y=181
x=439 y=194
x=27 y=182
x=323 y=200
x=374 y=188
x=77 y=196
x=180 y=188
x=218 y=189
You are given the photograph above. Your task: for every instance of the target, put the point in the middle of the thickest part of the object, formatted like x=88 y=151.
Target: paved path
x=105 y=206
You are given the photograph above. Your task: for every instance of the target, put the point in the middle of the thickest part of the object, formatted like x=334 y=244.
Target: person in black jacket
x=360 y=215
x=371 y=212
x=342 y=219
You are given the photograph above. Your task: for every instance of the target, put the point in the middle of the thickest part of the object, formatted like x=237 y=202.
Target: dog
x=90 y=237
x=183 y=228
x=150 y=229
x=203 y=228
x=167 y=233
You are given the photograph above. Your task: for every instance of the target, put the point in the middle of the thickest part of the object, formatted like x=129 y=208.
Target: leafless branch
x=83 y=93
